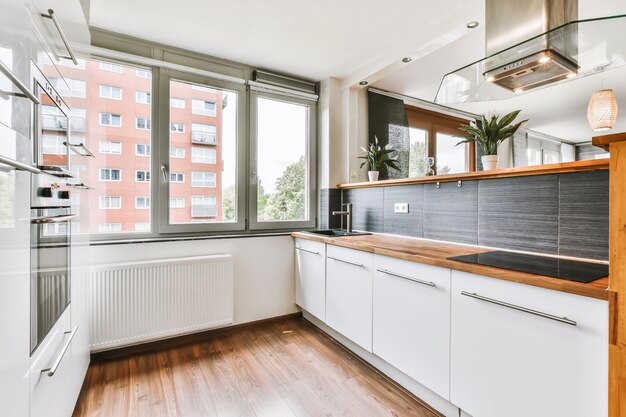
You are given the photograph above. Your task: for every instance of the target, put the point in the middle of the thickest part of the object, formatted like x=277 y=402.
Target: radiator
x=141 y=301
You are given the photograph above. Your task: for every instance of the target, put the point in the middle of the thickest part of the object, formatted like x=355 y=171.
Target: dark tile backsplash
x=564 y=214
x=451 y=212
x=519 y=213
x=330 y=200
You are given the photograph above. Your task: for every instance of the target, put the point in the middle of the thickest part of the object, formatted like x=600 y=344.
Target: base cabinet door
x=311 y=277
x=349 y=294
x=412 y=320
x=520 y=351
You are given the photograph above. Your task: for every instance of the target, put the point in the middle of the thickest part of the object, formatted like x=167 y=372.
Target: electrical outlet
x=401 y=208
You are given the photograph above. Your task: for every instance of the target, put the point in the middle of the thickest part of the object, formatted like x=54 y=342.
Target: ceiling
x=559 y=110
x=313 y=39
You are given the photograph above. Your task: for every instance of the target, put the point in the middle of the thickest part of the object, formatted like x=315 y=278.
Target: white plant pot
x=372 y=175
x=489 y=162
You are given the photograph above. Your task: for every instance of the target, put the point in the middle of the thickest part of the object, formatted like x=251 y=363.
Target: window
x=77 y=121
x=143 y=123
x=177 y=127
x=203 y=179
x=203 y=107
x=202 y=155
x=143 y=73
x=177 y=103
x=54 y=145
x=110 y=227
x=111 y=147
x=68 y=63
x=143 y=97
x=203 y=206
x=142 y=227
x=107 y=91
x=177 y=202
x=69 y=87
x=177 y=152
x=435 y=135
x=203 y=134
x=108 y=202
x=282 y=191
x=177 y=177
x=110 y=119
x=142 y=202
x=107 y=66
x=142 y=149
x=110 y=174
x=142 y=176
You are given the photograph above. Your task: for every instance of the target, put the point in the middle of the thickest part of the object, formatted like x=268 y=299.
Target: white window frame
x=111 y=117
x=213 y=203
x=107 y=92
x=203 y=158
x=177 y=174
x=139 y=72
x=178 y=100
x=147 y=149
x=208 y=177
x=146 y=202
x=108 y=227
x=111 y=67
x=146 y=94
x=147 y=122
x=146 y=175
x=205 y=133
x=176 y=130
x=202 y=110
x=109 y=198
x=109 y=143
x=177 y=199
x=110 y=170
x=177 y=154
x=58 y=148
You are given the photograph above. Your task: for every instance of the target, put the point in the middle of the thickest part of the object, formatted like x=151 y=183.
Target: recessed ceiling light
x=472 y=25
x=544 y=59
x=407 y=59
x=363 y=83
x=491 y=79
x=518 y=90
x=571 y=75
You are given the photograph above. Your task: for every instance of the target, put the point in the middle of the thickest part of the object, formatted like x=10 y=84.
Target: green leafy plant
x=378 y=158
x=490 y=133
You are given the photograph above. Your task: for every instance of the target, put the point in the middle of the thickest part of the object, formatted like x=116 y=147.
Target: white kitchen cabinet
x=411 y=320
x=506 y=360
x=349 y=294
x=311 y=277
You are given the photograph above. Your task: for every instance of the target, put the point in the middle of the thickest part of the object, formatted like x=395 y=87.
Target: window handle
x=164 y=172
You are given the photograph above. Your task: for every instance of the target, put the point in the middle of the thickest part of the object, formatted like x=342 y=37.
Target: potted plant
x=489 y=134
x=378 y=158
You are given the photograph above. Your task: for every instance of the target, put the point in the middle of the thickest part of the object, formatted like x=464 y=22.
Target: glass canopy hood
x=566 y=53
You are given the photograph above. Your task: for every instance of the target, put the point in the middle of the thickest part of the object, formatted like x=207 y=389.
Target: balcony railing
x=205 y=138
x=203 y=210
x=50 y=122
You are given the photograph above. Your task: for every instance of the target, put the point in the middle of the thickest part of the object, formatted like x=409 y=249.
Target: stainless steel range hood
x=534 y=44
x=511 y=22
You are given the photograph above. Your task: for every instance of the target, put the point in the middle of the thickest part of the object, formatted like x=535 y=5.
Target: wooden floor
x=284 y=368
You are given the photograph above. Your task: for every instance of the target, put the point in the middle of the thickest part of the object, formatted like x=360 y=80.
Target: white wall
x=264 y=270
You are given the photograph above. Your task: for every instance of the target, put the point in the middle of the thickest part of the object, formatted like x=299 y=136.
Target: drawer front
x=349 y=294
x=311 y=277
x=411 y=320
x=515 y=350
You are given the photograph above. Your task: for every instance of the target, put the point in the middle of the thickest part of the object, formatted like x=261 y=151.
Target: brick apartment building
x=111 y=109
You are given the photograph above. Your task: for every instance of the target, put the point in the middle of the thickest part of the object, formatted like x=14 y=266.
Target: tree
x=287 y=202
x=229 y=213
x=417 y=160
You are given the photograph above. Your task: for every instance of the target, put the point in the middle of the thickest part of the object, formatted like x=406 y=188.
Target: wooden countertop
x=436 y=253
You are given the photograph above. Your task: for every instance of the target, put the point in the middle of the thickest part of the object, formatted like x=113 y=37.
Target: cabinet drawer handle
x=54 y=19
x=306 y=250
x=347 y=262
x=52 y=370
x=22 y=87
x=419 y=281
x=519 y=308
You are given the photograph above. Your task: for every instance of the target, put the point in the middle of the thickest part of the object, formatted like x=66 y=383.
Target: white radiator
x=141 y=301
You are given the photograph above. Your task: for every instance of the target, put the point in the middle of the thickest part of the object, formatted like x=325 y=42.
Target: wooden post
x=616 y=145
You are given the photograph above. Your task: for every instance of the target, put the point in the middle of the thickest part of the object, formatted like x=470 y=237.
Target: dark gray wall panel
x=519 y=213
x=404 y=224
x=584 y=214
x=367 y=206
x=330 y=200
x=451 y=213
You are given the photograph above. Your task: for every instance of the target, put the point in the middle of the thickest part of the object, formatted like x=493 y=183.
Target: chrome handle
x=346 y=262
x=52 y=370
x=53 y=219
x=419 y=281
x=19 y=165
x=164 y=172
x=76 y=146
x=22 y=87
x=306 y=250
x=519 y=308
x=54 y=19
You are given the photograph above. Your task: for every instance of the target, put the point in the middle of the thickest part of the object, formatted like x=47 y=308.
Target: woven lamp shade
x=602 y=110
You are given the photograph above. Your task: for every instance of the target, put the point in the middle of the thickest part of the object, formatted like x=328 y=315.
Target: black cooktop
x=539 y=265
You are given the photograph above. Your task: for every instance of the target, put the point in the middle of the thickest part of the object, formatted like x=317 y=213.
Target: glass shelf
x=579 y=49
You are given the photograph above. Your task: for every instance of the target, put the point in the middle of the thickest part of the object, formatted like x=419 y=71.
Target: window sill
x=136 y=240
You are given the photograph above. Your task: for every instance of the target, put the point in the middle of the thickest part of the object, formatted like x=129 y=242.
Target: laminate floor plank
x=281 y=368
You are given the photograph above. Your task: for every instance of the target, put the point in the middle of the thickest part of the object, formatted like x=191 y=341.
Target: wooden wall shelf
x=577 y=166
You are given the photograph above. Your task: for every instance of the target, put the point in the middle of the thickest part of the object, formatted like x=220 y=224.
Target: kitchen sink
x=337 y=233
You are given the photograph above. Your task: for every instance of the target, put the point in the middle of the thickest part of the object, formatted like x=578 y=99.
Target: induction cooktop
x=569 y=270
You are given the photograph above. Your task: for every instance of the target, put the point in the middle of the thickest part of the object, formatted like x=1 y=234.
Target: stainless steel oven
x=50 y=269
